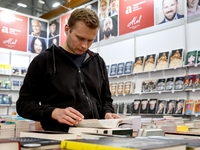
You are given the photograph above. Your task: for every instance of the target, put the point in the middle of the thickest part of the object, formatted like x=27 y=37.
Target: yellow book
x=182 y=128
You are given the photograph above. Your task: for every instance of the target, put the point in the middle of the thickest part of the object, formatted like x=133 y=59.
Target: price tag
x=159 y=92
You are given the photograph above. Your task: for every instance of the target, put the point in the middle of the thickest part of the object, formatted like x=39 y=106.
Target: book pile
x=21 y=125
x=7 y=130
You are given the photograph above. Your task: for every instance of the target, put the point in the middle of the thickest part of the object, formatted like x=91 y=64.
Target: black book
x=161 y=85
x=170 y=108
x=121 y=108
x=169 y=84
x=129 y=108
x=115 y=106
x=178 y=84
x=180 y=106
x=161 y=107
x=152 y=106
x=136 y=106
x=144 y=106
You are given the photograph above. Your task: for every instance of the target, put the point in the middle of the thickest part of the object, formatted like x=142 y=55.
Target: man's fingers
x=75 y=114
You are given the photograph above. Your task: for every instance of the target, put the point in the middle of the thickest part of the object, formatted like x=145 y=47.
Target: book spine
x=80 y=145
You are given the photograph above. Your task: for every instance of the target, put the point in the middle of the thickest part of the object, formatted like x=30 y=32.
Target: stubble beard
x=172 y=18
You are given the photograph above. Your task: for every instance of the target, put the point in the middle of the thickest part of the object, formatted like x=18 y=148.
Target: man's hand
x=112 y=116
x=68 y=116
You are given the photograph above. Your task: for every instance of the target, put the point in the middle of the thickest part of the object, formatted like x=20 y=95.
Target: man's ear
x=66 y=29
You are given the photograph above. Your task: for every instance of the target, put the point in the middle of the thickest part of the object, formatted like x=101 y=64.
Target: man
x=107 y=29
x=171 y=108
x=193 y=7
x=53 y=29
x=37 y=29
x=65 y=84
x=113 y=6
x=169 y=8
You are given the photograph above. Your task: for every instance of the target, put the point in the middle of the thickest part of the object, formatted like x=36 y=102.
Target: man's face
x=144 y=105
x=103 y=7
x=192 y=3
x=169 y=9
x=107 y=27
x=36 y=27
x=171 y=106
x=80 y=38
x=136 y=106
x=152 y=105
x=53 y=27
x=113 y=5
x=37 y=46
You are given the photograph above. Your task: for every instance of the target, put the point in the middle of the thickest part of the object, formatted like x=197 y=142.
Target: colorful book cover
x=1 y=84
x=2 y=68
x=162 y=60
x=197 y=81
x=15 y=70
x=149 y=64
x=144 y=106
x=176 y=58
x=161 y=85
x=136 y=106
x=170 y=108
x=7 y=84
x=191 y=58
x=128 y=67
x=113 y=88
x=23 y=71
x=152 y=106
x=189 y=106
x=113 y=70
x=189 y=81
x=115 y=106
x=121 y=108
x=152 y=85
x=198 y=58
x=20 y=83
x=180 y=106
x=128 y=87
x=6 y=99
x=107 y=68
x=120 y=88
x=179 y=83
x=169 y=84
x=145 y=86
x=120 y=69
x=129 y=108
x=1 y=98
x=161 y=107
x=138 y=65
x=197 y=107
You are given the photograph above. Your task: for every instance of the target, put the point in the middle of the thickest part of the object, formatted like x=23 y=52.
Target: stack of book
x=21 y=125
x=7 y=130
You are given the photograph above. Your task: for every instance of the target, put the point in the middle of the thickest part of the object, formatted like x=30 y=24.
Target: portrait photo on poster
x=54 y=27
x=168 y=10
x=54 y=40
x=103 y=11
x=109 y=28
x=36 y=45
x=113 y=8
x=193 y=7
x=93 y=6
x=37 y=28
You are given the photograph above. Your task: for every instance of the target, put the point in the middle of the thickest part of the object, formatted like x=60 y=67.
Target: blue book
x=113 y=70
x=1 y=98
x=128 y=67
x=120 y=68
x=6 y=99
x=108 y=67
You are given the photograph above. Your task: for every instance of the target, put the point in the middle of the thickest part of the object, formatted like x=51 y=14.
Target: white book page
x=110 y=123
x=90 y=123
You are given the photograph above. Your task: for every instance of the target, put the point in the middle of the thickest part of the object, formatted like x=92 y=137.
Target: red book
x=6 y=144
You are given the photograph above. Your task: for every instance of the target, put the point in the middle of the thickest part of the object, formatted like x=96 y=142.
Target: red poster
x=135 y=15
x=64 y=21
x=13 y=31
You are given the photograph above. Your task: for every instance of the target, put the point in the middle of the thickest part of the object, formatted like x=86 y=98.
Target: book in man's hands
x=101 y=123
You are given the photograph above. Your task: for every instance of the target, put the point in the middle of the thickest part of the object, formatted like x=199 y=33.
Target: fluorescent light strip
x=56 y=4
x=22 y=5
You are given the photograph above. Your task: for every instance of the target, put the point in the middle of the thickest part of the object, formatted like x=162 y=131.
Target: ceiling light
x=56 y=4
x=22 y=5
x=41 y=2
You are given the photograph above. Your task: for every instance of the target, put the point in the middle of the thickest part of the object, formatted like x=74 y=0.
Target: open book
x=101 y=123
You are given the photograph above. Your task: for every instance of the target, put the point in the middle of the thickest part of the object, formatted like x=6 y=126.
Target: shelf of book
x=5 y=105
x=1 y=74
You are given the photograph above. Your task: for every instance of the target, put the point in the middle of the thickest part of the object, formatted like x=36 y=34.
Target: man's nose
x=84 y=44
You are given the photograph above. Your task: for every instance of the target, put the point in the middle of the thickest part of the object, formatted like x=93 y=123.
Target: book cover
x=145 y=86
x=6 y=99
x=180 y=106
x=7 y=144
x=191 y=58
x=23 y=71
x=121 y=108
x=113 y=88
x=2 y=68
x=170 y=108
x=176 y=58
x=169 y=84
x=128 y=67
x=161 y=84
x=7 y=84
x=128 y=87
x=138 y=65
x=120 y=69
x=162 y=60
x=197 y=81
x=20 y=83
x=120 y=88
x=116 y=106
x=129 y=108
x=189 y=81
x=1 y=98
x=152 y=106
x=198 y=58
x=15 y=70
x=179 y=83
x=189 y=106
x=197 y=107
x=15 y=85
x=2 y=84
x=107 y=68
x=161 y=107
x=113 y=70
x=8 y=69
x=150 y=62
x=152 y=85
x=136 y=106
x=144 y=106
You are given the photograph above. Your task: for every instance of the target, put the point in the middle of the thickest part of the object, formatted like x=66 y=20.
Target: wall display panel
x=122 y=51
x=135 y=15
x=64 y=21
x=54 y=28
x=36 y=44
x=165 y=40
x=14 y=29
x=168 y=10
x=193 y=7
